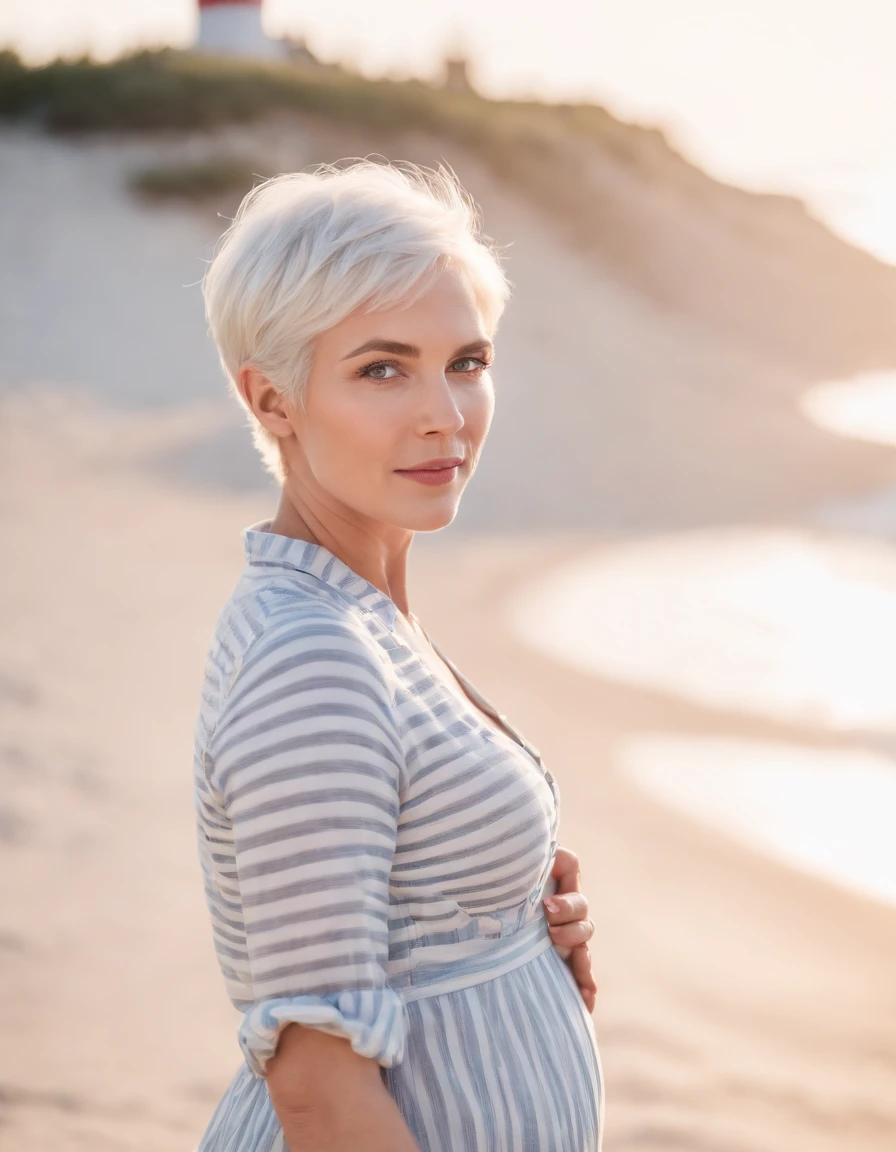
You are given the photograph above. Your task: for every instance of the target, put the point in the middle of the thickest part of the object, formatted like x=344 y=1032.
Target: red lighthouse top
x=218 y=3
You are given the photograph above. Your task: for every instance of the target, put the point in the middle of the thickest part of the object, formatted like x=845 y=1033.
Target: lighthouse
x=234 y=27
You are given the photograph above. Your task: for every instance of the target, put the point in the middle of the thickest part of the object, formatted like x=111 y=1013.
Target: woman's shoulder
x=305 y=626
x=269 y=599
x=267 y=625
x=287 y=661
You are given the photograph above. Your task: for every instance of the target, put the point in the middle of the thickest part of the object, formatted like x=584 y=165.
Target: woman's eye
x=376 y=371
x=470 y=360
x=387 y=370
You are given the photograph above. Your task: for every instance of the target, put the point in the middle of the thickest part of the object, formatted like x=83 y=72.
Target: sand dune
x=742 y=1006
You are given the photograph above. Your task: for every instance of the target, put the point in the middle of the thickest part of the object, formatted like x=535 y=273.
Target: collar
x=266 y=549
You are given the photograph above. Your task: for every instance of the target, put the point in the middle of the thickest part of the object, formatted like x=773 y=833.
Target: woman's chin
x=431 y=519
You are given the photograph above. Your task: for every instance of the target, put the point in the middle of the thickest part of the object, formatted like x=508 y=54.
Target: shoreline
x=784 y=626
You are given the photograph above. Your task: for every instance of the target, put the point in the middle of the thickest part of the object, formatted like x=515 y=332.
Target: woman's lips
x=431 y=475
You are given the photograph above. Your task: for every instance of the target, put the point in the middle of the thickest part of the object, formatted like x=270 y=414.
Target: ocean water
x=826 y=811
x=863 y=408
x=794 y=625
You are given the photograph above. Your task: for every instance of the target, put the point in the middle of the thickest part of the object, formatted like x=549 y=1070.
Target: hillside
x=756 y=268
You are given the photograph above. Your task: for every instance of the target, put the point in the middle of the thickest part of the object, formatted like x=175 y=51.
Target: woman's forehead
x=444 y=316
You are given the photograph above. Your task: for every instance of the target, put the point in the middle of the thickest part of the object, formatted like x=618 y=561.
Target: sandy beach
x=743 y=1006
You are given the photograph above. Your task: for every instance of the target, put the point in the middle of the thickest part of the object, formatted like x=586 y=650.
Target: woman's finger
x=566 y=909
x=580 y=965
x=572 y=935
x=566 y=871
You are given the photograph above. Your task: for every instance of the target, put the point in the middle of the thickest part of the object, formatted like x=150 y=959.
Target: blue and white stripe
x=373 y=856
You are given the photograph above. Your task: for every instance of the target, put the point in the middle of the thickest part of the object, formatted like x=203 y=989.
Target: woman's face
x=389 y=391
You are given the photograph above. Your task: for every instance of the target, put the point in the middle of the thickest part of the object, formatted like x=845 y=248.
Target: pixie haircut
x=305 y=249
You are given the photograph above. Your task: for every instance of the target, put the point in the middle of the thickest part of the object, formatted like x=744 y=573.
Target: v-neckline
x=476 y=697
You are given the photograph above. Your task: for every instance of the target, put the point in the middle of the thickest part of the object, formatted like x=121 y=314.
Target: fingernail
x=551 y=904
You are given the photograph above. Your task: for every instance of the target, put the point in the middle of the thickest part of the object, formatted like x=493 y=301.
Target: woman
x=375 y=837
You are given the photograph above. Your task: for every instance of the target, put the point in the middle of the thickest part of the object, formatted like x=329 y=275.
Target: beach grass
x=200 y=179
x=170 y=89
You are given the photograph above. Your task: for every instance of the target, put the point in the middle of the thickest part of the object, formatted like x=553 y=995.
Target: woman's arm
x=571 y=927
x=306 y=762
x=326 y=1096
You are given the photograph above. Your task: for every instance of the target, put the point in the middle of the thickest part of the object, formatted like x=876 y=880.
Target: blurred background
x=689 y=490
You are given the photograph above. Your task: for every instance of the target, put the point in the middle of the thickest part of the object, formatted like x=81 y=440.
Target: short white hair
x=305 y=249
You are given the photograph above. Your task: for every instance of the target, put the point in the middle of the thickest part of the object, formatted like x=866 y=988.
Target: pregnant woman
x=376 y=838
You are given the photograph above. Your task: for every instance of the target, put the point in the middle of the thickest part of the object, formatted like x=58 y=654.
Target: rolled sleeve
x=371 y=1019
x=309 y=762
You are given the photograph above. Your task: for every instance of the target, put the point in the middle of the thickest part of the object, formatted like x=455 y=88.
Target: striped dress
x=374 y=856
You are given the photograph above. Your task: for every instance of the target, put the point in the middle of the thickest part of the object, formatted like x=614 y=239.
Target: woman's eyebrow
x=378 y=344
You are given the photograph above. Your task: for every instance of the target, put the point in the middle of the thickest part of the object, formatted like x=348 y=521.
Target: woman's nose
x=439 y=404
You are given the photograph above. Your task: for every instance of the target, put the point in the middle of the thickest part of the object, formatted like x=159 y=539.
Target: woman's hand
x=570 y=925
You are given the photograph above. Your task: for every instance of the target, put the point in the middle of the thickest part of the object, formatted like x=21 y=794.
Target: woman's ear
x=267 y=404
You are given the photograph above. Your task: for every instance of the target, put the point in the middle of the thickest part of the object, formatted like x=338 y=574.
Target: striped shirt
x=373 y=856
